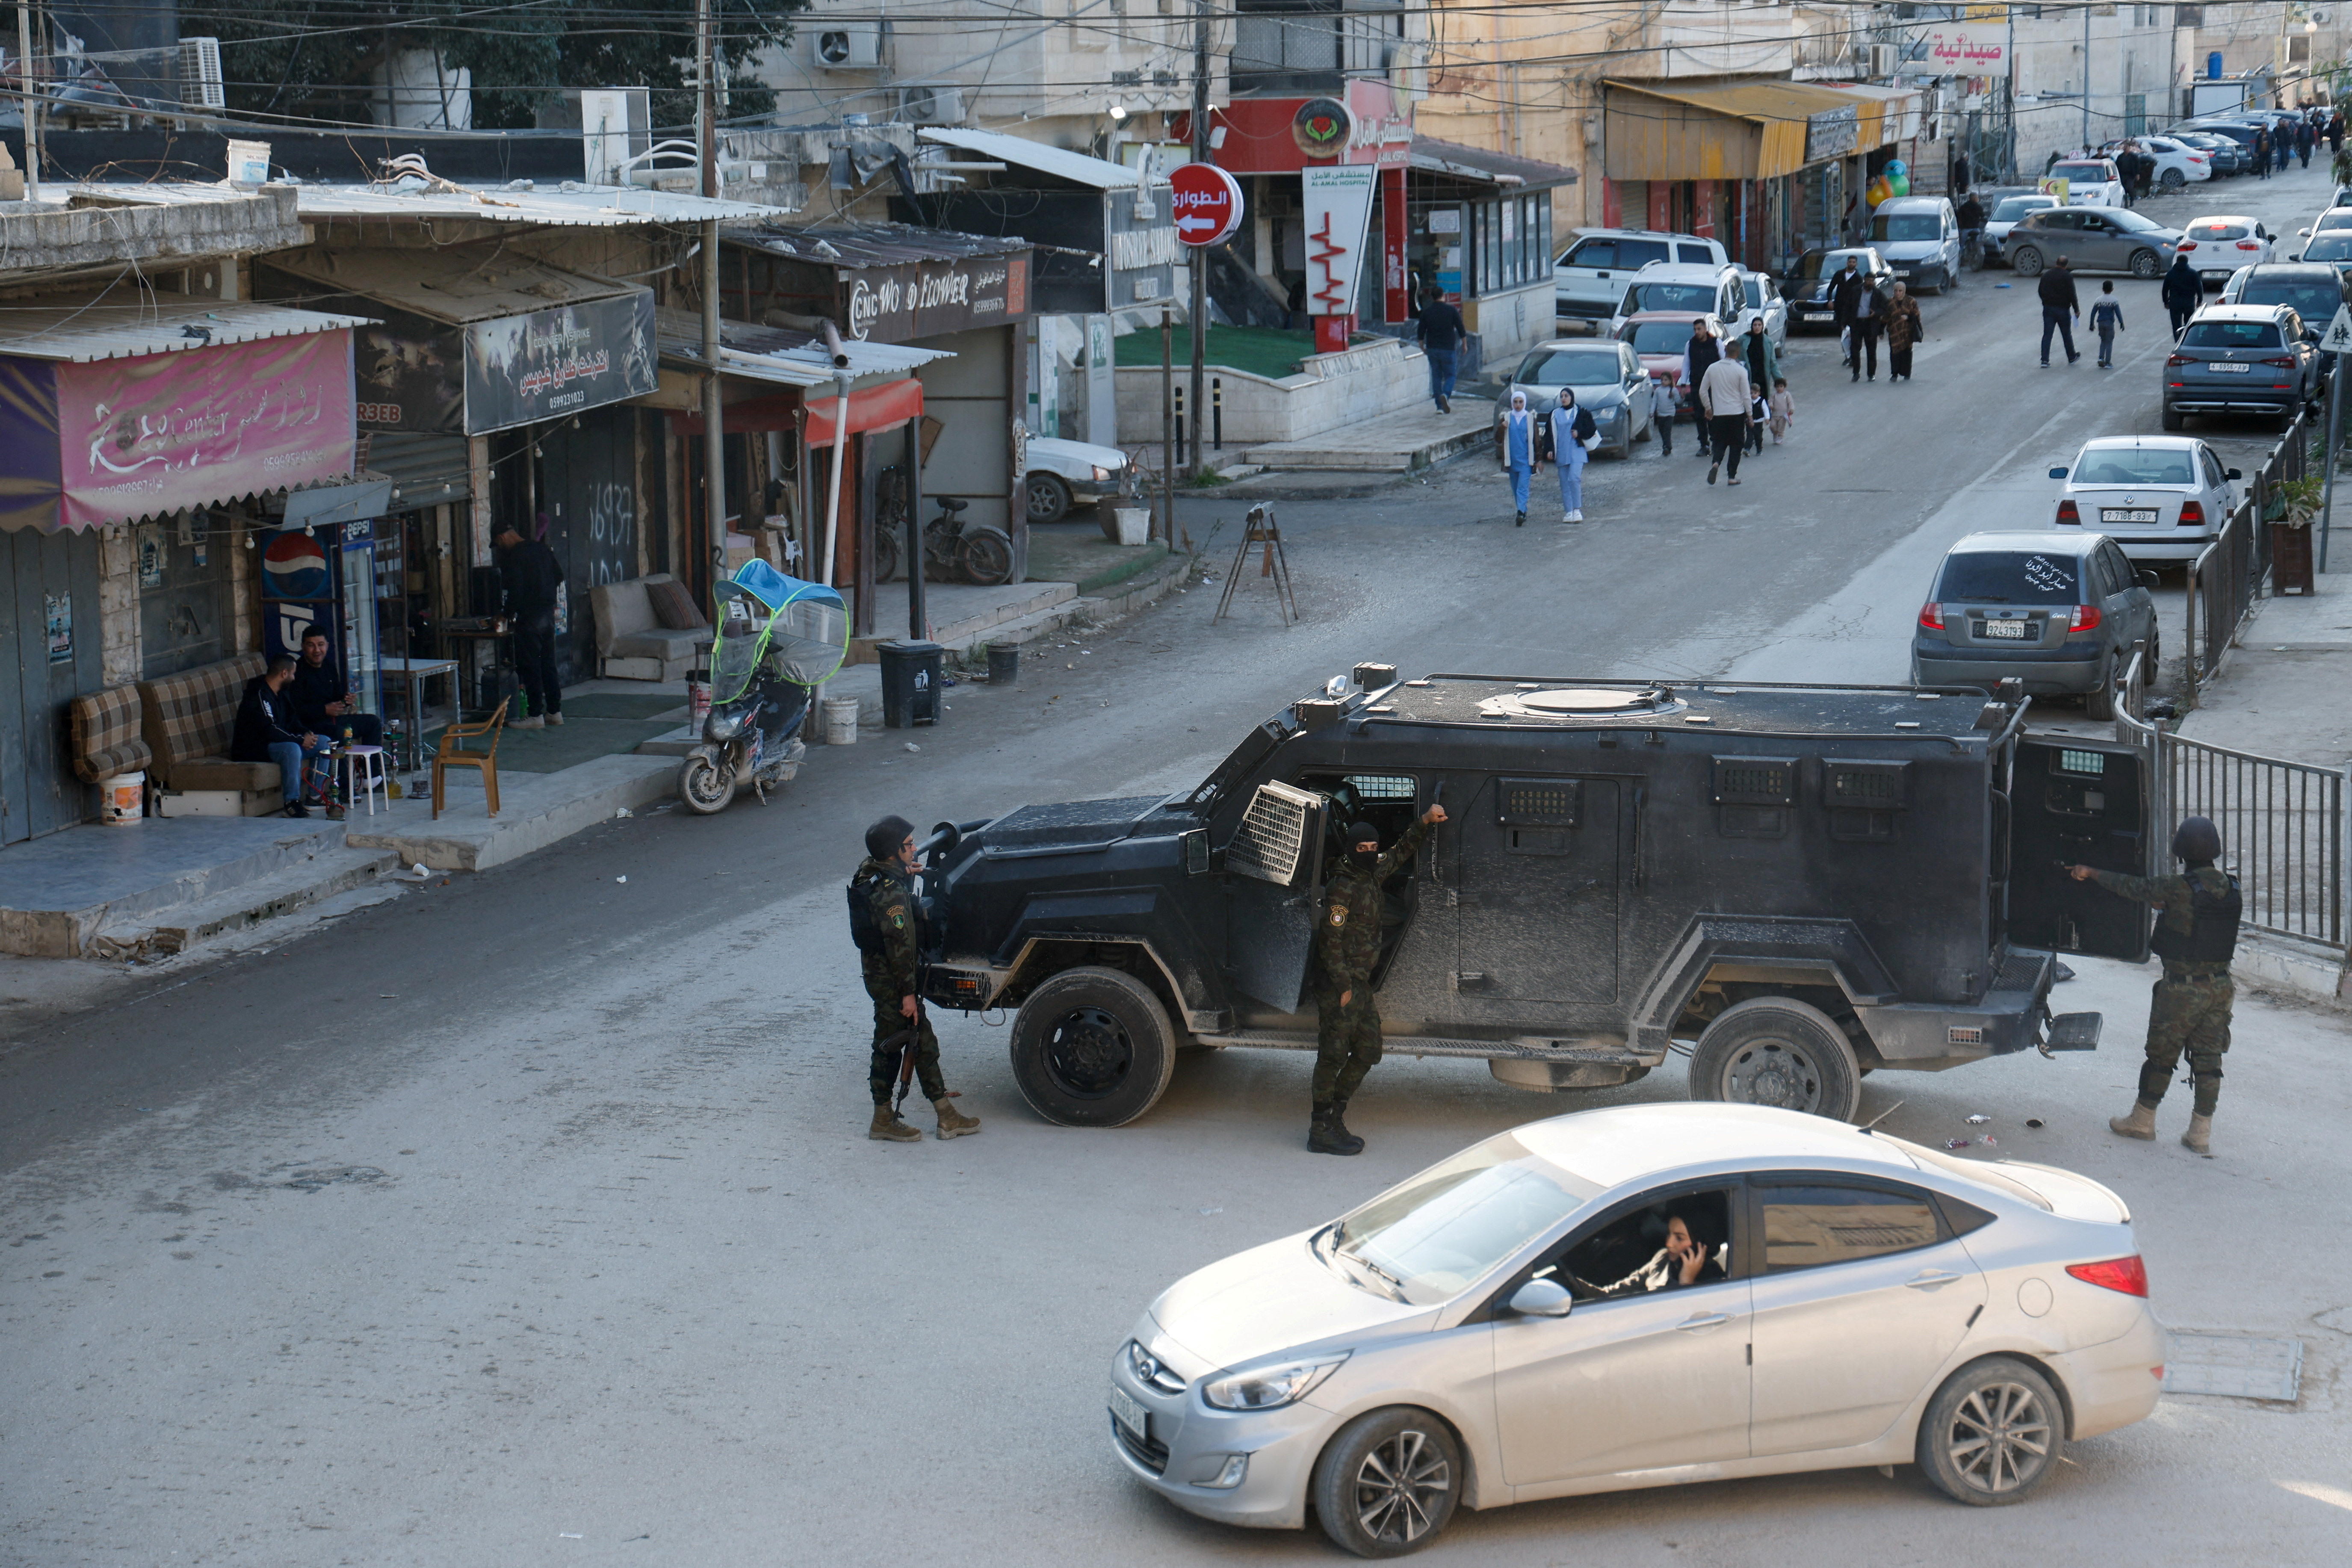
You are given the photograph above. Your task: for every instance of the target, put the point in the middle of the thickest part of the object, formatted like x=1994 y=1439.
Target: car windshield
x=1439 y=1233
x=2007 y=577
x=1755 y=291
x=2219 y=231
x=1657 y=337
x=2082 y=173
x=1668 y=297
x=2314 y=298
x=2134 y=465
x=2231 y=336
x=1822 y=263
x=1906 y=227
x=1568 y=367
x=2012 y=208
x=2335 y=217
x=2335 y=247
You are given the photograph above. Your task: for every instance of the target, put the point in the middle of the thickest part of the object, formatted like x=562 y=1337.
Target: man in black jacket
x=1845 y=291
x=268 y=732
x=2059 y=308
x=323 y=701
x=534 y=580
x=1441 y=335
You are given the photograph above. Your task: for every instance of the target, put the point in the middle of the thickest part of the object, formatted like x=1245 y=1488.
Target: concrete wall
x=1366 y=382
x=1511 y=323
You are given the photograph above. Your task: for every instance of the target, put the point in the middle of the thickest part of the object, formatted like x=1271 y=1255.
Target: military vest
x=2212 y=933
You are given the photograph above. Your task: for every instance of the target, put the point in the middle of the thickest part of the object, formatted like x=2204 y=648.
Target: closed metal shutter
x=425 y=471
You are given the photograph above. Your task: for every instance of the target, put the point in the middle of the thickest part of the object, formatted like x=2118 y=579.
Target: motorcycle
x=777 y=640
x=951 y=548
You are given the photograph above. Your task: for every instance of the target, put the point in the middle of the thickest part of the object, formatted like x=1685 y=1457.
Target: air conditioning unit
x=930 y=103
x=1884 y=57
x=847 y=47
x=200 y=74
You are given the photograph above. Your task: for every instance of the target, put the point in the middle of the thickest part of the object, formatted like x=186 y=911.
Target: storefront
x=141 y=444
x=1479 y=227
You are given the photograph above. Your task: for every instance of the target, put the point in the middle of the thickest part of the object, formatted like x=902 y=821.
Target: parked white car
x=1716 y=290
x=2159 y=497
x=1643 y=1294
x=2176 y=163
x=1063 y=474
x=2090 y=182
x=2217 y=247
x=2006 y=215
x=1589 y=275
x=1764 y=296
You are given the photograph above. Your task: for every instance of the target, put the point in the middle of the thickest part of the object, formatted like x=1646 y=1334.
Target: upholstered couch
x=106 y=737
x=647 y=628
x=187 y=720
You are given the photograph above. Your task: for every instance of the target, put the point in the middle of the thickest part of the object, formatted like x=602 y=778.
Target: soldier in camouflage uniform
x=883 y=919
x=1347 y=944
x=2190 y=1011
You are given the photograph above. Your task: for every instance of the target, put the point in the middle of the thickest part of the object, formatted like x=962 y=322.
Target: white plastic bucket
x=841 y=721
x=123 y=799
x=1134 y=524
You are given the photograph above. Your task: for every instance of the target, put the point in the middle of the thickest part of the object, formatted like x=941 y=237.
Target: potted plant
x=2293 y=503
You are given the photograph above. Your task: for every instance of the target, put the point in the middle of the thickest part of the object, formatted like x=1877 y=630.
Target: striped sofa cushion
x=187 y=719
x=106 y=739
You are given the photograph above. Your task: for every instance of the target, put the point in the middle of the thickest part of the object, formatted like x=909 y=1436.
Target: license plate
x=2220 y=367
x=2127 y=514
x=1129 y=1413
x=2013 y=630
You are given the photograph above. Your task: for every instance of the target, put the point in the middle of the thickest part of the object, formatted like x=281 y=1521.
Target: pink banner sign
x=152 y=435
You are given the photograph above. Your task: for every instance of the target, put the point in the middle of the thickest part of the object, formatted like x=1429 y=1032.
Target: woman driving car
x=1687 y=1258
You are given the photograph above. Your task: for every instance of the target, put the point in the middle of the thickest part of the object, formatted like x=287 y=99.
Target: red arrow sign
x=1208 y=203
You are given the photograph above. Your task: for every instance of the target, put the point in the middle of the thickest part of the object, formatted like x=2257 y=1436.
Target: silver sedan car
x=1639 y=1297
x=2161 y=498
x=1608 y=380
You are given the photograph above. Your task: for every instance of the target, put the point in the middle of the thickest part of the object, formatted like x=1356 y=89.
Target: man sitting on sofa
x=321 y=698
x=268 y=732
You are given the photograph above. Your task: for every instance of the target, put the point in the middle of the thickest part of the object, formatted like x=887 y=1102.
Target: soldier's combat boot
x=1324 y=1135
x=888 y=1129
x=2140 y=1123
x=2199 y=1138
x=953 y=1123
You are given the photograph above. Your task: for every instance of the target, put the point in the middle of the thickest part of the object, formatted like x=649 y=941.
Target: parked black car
x=1625 y=866
x=1806 y=286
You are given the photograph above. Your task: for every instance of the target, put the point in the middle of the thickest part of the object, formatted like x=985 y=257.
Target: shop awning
x=1432 y=156
x=78 y=331
x=1063 y=164
x=780 y=355
x=1751 y=130
x=894 y=282
x=566 y=204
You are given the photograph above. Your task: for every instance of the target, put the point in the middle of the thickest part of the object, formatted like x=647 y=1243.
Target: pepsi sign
x=294 y=566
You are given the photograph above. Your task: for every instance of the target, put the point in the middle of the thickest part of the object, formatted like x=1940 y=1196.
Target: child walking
x=2107 y=320
x=1784 y=409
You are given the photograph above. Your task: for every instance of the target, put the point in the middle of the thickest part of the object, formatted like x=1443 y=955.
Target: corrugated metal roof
x=1434 y=156
x=463 y=283
x=425 y=469
x=95 y=327
x=568 y=205
x=1063 y=164
x=875 y=245
x=780 y=355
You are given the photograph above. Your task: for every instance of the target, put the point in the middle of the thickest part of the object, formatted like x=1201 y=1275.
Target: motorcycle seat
x=951 y=505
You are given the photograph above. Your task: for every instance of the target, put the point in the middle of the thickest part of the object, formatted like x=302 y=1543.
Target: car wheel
x=1778 y=1051
x=1049 y=497
x=1992 y=1433
x=1388 y=1482
x=2025 y=262
x=2145 y=264
x=2173 y=179
x=1092 y=1048
x=2173 y=421
x=2099 y=702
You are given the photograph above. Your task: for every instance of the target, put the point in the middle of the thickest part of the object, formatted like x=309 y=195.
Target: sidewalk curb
x=2287 y=969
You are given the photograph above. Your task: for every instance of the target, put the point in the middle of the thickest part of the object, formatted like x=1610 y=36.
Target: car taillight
x=2172 y=359
x=2129 y=1275
x=2282 y=364
x=2188 y=244
x=1931 y=617
x=2248 y=245
x=2192 y=514
x=2067 y=512
x=2087 y=618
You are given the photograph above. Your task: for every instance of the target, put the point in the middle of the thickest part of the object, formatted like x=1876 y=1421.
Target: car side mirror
x=2231 y=474
x=2148 y=580
x=2304 y=233
x=2296 y=257
x=1542 y=1298
x=2057 y=473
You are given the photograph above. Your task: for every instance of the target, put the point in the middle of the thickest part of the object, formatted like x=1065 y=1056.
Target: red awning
x=870 y=408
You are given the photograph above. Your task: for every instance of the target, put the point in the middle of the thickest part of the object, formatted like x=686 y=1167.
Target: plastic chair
x=364 y=776
x=452 y=755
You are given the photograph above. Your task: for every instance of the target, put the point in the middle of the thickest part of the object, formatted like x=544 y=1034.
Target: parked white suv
x=1709 y=291
x=2090 y=182
x=1589 y=278
x=1920 y=238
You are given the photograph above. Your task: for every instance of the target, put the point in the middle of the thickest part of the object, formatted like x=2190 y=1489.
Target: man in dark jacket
x=268 y=732
x=534 y=581
x=2060 y=308
x=1697 y=358
x=1845 y=290
x=1869 y=322
x=1441 y=335
x=323 y=701
x=2183 y=292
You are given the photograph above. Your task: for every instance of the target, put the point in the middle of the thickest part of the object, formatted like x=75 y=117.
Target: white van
x=1589 y=278
x=1920 y=238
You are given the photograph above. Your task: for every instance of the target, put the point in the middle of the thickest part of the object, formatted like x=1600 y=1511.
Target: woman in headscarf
x=1515 y=449
x=2183 y=292
x=1566 y=435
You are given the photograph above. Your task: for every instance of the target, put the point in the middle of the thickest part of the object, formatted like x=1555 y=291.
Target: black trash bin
x=910 y=683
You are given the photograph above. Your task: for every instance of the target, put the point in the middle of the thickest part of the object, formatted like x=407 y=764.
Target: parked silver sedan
x=1608 y=380
x=2160 y=498
x=1639 y=1297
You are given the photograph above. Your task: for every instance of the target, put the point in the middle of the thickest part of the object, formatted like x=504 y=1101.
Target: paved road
x=530 y=1219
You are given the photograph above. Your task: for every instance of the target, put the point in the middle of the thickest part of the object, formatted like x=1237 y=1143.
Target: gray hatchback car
x=2057 y=611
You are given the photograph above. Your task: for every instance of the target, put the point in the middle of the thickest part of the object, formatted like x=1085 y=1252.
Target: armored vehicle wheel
x=1778 y=1051
x=1092 y=1048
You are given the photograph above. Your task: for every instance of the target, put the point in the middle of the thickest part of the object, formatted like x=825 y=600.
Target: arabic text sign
x=558 y=362
x=154 y=434
x=1339 y=202
x=1966 y=48
x=924 y=299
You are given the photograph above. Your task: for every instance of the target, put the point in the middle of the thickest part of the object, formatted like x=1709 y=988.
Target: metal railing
x=2227 y=577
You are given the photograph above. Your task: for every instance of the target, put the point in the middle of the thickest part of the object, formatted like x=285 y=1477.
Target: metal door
x=1535 y=887
x=588 y=489
x=49 y=653
x=2077 y=802
x=1273 y=880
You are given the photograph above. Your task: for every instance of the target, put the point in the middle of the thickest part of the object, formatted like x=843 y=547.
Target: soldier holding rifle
x=885 y=921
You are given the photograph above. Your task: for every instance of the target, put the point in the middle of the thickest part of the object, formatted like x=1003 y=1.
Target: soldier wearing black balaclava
x=1347 y=946
x=2189 y=1012
x=885 y=921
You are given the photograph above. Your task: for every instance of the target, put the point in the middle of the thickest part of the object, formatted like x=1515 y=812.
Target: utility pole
x=1198 y=403
x=714 y=427
x=27 y=103
x=2086 y=78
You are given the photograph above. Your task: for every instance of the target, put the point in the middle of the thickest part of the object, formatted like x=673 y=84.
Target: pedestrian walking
x=2335 y=131
x=2060 y=308
x=1699 y=356
x=2261 y=153
x=1845 y=291
x=1784 y=411
x=2127 y=171
x=885 y=922
x=2183 y=292
x=1665 y=407
x=1971 y=217
x=534 y=583
x=2107 y=320
x=1869 y=321
x=1903 y=330
x=1440 y=334
x=1567 y=436
x=2285 y=147
x=2188 y=1010
x=1724 y=397
x=2304 y=138
x=1346 y=945
x=1763 y=361
x=1515 y=448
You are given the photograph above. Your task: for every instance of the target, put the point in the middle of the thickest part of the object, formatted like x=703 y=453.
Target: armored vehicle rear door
x=2077 y=802
x=1535 y=886
x=1274 y=878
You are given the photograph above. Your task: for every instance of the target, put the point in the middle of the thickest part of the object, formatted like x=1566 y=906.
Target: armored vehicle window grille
x=1755 y=781
x=1383 y=787
x=1868 y=786
x=1539 y=802
x=2091 y=763
x=1272 y=840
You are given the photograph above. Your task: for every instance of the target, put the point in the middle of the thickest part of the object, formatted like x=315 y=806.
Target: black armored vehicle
x=1797 y=885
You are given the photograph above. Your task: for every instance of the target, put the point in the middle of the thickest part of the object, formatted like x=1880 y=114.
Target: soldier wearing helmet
x=2189 y=1012
x=1347 y=946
